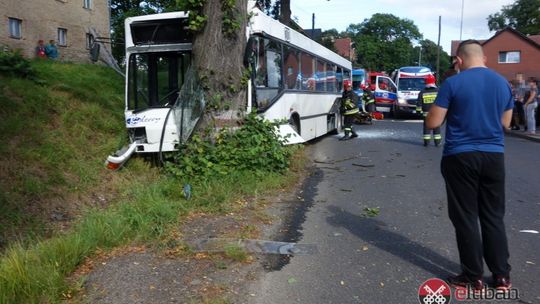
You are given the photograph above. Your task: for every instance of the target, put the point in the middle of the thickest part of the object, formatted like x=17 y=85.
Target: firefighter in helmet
x=349 y=108
x=425 y=100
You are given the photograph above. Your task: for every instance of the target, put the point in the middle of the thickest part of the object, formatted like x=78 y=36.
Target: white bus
x=294 y=79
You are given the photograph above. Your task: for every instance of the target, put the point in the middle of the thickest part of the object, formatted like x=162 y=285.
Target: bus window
x=330 y=78
x=339 y=79
x=273 y=63
x=155 y=79
x=320 y=77
x=268 y=72
x=306 y=63
x=292 y=68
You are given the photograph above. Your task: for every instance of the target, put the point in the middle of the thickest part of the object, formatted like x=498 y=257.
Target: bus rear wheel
x=294 y=122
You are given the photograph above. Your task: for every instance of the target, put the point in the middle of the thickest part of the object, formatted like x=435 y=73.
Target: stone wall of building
x=41 y=19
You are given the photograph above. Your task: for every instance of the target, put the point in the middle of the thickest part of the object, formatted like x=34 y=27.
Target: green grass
x=58 y=132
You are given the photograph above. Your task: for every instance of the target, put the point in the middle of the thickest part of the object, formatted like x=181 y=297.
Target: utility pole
x=313 y=26
x=420 y=55
x=439 y=48
x=461 y=25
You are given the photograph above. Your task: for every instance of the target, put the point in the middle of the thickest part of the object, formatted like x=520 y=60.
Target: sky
x=339 y=14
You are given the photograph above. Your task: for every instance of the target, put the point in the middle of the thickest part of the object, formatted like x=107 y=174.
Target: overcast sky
x=339 y=14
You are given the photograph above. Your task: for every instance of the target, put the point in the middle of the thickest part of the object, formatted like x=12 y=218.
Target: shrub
x=12 y=63
x=254 y=147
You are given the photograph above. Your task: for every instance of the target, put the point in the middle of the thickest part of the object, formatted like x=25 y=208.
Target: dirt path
x=170 y=273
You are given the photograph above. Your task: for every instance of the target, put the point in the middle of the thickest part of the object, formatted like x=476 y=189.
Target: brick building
x=344 y=47
x=509 y=52
x=68 y=22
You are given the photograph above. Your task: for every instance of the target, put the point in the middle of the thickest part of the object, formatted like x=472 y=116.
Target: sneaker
x=462 y=281
x=502 y=282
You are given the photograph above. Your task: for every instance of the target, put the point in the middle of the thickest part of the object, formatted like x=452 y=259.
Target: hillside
x=58 y=129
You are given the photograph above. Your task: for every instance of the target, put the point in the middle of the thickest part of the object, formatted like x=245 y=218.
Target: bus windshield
x=411 y=84
x=155 y=79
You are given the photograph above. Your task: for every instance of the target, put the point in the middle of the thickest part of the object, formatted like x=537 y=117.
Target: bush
x=254 y=147
x=12 y=63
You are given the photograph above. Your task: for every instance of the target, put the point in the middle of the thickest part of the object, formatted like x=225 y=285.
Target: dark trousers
x=475 y=192
x=348 y=124
x=427 y=132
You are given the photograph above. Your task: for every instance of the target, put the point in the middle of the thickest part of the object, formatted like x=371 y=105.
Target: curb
x=523 y=135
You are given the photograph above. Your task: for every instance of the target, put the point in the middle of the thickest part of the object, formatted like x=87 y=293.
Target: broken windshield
x=155 y=79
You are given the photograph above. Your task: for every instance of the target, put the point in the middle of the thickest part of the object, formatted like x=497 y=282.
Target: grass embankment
x=57 y=132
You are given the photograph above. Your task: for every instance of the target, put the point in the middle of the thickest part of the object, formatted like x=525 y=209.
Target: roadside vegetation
x=58 y=203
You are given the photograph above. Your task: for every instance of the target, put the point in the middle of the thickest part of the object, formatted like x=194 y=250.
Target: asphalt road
x=378 y=217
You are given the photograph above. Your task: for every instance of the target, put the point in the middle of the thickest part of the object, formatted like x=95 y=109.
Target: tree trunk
x=285 y=14
x=219 y=62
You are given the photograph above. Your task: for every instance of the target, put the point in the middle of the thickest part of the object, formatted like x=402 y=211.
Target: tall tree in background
x=428 y=55
x=522 y=15
x=280 y=10
x=384 y=42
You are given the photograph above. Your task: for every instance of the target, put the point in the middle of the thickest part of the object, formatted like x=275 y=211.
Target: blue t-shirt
x=476 y=100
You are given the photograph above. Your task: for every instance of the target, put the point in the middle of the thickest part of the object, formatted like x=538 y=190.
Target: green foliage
x=254 y=147
x=429 y=55
x=235 y=252
x=12 y=63
x=522 y=15
x=231 y=18
x=59 y=131
x=384 y=42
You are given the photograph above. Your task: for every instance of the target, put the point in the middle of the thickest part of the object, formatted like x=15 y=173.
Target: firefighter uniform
x=369 y=100
x=349 y=108
x=425 y=101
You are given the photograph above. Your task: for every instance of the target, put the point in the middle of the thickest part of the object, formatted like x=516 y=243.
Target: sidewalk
x=524 y=135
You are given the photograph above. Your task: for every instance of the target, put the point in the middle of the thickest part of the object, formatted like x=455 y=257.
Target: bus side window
x=339 y=79
x=292 y=65
x=331 y=78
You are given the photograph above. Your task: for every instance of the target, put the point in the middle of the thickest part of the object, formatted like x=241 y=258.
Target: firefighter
x=425 y=100
x=369 y=99
x=349 y=99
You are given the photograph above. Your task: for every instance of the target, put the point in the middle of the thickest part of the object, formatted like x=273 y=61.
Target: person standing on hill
x=530 y=106
x=40 y=50
x=477 y=104
x=51 y=50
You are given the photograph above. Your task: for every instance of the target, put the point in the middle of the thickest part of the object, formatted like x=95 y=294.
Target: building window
x=62 y=37
x=89 y=41
x=87 y=4
x=15 y=28
x=510 y=57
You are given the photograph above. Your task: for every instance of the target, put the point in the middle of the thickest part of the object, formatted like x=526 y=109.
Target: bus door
x=385 y=94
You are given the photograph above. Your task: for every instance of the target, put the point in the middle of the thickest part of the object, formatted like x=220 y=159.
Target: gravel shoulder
x=172 y=272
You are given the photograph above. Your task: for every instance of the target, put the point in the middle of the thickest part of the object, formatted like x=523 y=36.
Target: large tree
x=384 y=42
x=426 y=53
x=522 y=15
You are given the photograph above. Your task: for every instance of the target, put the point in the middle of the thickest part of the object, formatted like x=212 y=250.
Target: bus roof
x=263 y=24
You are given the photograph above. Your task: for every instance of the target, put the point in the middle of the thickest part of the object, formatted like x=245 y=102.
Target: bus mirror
x=250 y=51
x=94 y=52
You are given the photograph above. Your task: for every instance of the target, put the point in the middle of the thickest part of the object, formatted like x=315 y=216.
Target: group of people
x=526 y=103
x=47 y=51
x=477 y=105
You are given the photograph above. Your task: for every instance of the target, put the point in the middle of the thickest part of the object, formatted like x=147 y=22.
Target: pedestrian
x=425 y=100
x=530 y=106
x=40 y=50
x=477 y=104
x=348 y=109
x=51 y=50
x=521 y=89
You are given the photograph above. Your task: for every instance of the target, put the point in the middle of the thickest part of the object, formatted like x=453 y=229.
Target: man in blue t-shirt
x=477 y=104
